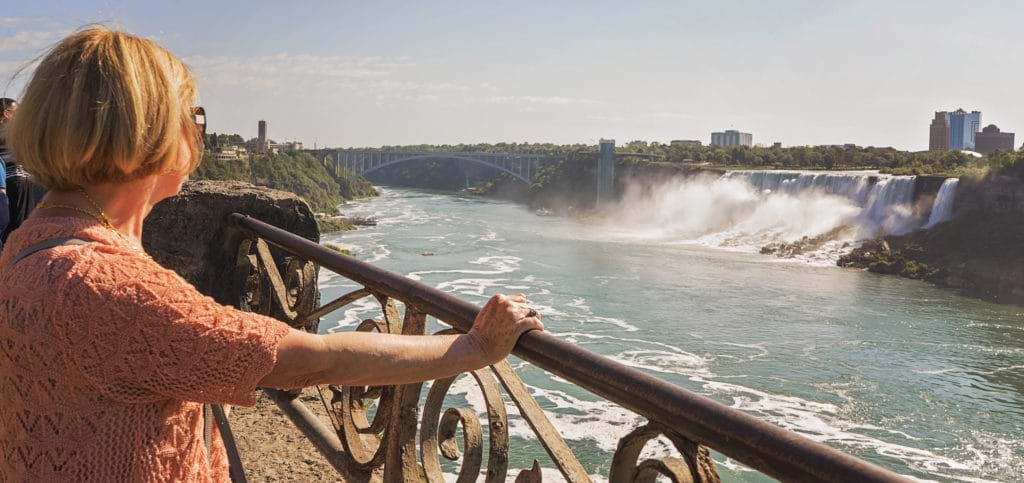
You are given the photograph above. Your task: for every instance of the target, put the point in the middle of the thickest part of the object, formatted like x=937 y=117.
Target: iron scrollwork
x=265 y=291
x=695 y=466
x=437 y=432
x=378 y=426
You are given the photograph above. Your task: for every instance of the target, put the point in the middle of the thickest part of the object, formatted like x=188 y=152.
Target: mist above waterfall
x=748 y=210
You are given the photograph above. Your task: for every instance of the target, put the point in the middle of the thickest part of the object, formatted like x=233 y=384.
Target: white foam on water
x=471 y=286
x=660 y=361
x=380 y=252
x=602 y=423
x=354 y=314
x=697 y=363
x=497 y=265
x=490 y=236
x=759 y=348
x=579 y=303
x=821 y=422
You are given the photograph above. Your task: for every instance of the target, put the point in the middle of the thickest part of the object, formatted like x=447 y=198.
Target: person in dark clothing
x=21 y=195
x=4 y=213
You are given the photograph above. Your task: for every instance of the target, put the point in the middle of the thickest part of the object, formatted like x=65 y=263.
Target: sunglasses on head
x=199 y=116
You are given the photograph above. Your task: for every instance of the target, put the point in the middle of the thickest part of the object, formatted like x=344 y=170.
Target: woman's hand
x=500 y=323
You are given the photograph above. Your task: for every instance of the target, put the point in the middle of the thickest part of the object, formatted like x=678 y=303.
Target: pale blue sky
x=373 y=73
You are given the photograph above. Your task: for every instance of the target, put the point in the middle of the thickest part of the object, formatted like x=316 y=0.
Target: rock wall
x=990 y=194
x=927 y=186
x=190 y=233
x=980 y=255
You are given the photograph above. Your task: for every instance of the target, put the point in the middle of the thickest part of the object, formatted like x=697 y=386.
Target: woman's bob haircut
x=105 y=107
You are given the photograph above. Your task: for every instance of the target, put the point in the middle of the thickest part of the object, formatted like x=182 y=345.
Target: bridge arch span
x=514 y=174
x=520 y=166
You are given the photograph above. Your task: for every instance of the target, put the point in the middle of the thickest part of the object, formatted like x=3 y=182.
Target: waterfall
x=886 y=201
x=823 y=212
x=942 y=210
x=854 y=186
x=889 y=205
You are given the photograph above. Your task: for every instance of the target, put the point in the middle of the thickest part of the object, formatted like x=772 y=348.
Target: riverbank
x=806 y=347
x=660 y=197
x=978 y=254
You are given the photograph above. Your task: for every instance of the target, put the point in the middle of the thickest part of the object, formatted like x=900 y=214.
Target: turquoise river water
x=911 y=377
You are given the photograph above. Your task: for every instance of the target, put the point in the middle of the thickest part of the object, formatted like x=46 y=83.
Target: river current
x=911 y=377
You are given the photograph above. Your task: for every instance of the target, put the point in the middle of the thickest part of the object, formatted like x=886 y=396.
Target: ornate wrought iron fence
x=385 y=445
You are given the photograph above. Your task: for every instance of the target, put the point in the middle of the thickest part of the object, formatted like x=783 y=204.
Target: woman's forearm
x=371 y=359
x=365 y=359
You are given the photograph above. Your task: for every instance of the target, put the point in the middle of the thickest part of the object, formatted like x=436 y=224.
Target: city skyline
x=349 y=74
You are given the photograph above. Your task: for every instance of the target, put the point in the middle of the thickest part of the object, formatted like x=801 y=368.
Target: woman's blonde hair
x=105 y=106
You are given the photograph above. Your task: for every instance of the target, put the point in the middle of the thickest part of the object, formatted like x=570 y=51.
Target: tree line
x=885 y=159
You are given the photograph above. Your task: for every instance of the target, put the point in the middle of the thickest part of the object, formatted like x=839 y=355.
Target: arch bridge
x=519 y=165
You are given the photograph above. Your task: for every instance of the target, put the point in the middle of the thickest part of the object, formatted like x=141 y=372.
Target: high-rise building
x=963 y=127
x=938 y=134
x=732 y=138
x=261 y=138
x=991 y=139
x=954 y=131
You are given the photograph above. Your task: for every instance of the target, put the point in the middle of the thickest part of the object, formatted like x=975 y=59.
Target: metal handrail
x=758 y=444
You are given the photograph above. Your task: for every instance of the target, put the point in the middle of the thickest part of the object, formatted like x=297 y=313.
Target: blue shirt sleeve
x=3 y=175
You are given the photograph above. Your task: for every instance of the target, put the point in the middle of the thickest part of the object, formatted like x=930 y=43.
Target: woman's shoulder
x=97 y=258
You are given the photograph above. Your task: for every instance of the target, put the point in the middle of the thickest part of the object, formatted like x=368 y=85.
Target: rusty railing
x=384 y=445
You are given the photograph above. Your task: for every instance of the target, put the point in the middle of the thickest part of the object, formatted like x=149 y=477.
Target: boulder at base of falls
x=980 y=254
x=806 y=244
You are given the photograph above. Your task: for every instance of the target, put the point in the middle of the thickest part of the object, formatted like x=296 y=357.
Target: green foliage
x=331 y=225
x=299 y=173
x=222 y=170
x=848 y=157
x=1007 y=162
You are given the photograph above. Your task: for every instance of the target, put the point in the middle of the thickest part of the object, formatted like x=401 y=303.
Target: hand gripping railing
x=364 y=449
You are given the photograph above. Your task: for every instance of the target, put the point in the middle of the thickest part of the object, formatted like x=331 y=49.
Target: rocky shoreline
x=979 y=254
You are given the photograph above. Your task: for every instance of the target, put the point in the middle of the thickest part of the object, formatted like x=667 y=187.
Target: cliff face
x=991 y=194
x=981 y=255
x=570 y=186
x=927 y=187
x=653 y=173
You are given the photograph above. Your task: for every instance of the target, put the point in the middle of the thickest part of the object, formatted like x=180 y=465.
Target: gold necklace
x=99 y=216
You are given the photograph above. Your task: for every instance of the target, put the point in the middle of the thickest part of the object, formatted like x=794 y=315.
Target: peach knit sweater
x=106 y=358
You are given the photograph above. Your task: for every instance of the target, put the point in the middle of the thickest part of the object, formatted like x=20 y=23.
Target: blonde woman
x=106 y=357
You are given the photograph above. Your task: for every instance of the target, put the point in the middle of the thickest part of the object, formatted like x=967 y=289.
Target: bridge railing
x=381 y=432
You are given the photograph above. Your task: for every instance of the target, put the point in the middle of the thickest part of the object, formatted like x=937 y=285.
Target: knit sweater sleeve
x=139 y=333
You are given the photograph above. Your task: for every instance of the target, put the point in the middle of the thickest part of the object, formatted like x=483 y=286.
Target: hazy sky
x=374 y=73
